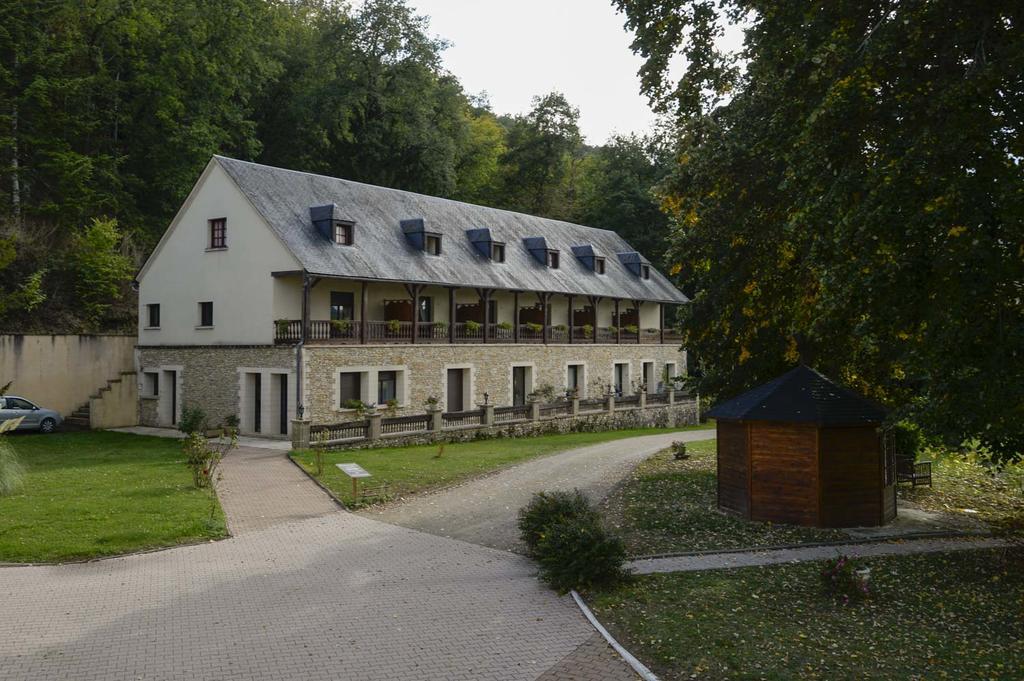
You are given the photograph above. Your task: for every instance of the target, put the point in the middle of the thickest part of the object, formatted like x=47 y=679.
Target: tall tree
x=543 y=147
x=618 y=191
x=857 y=201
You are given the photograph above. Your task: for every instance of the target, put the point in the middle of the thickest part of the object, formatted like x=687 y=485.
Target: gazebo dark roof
x=800 y=395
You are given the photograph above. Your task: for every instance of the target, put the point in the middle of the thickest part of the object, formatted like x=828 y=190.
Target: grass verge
x=955 y=615
x=669 y=506
x=95 y=494
x=408 y=470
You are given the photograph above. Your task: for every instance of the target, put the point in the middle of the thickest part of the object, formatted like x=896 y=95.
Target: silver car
x=36 y=418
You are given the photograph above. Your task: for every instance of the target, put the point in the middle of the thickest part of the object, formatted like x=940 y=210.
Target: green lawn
x=100 y=493
x=963 y=486
x=954 y=616
x=407 y=470
x=669 y=506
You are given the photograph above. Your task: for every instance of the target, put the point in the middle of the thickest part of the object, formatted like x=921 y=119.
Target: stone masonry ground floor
x=264 y=385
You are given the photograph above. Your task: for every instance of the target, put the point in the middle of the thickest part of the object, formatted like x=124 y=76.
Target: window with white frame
x=350 y=389
x=151 y=384
x=669 y=375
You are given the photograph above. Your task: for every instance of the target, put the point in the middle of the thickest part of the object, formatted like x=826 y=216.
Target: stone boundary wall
x=658 y=416
x=62 y=371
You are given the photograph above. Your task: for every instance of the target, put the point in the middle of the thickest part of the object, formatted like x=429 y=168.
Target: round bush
x=547 y=508
x=578 y=553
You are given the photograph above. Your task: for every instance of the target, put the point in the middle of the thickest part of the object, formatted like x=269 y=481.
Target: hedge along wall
x=61 y=371
x=664 y=416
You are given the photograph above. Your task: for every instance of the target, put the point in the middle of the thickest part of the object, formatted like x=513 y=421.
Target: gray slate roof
x=801 y=395
x=381 y=251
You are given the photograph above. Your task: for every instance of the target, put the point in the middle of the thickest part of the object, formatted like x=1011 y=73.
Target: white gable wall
x=183 y=271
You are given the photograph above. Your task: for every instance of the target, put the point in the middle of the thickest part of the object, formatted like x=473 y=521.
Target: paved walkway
x=302 y=591
x=719 y=561
x=483 y=511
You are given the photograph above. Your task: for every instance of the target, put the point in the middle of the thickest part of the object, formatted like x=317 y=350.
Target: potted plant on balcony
x=631 y=329
x=393 y=326
x=613 y=329
x=431 y=403
x=472 y=327
x=588 y=331
x=560 y=328
x=391 y=407
x=340 y=327
x=505 y=326
x=281 y=327
x=533 y=327
x=356 y=405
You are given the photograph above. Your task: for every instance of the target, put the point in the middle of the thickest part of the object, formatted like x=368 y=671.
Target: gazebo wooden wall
x=803 y=473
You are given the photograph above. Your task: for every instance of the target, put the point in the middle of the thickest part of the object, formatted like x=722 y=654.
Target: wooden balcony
x=341 y=332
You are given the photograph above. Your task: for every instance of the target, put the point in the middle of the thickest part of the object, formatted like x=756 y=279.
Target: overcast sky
x=516 y=49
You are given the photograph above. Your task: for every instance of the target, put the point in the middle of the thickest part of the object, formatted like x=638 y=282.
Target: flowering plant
x=846 y=579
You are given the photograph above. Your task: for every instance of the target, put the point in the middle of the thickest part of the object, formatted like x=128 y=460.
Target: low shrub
x=548 y=508
x=193 y=420
x=578 y=553
x=845 y=579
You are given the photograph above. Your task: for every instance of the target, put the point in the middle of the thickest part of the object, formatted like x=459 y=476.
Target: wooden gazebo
x=802 y=450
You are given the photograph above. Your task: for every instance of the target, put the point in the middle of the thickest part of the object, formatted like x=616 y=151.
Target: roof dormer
x=485 y=244
x=328 y=221
x=542 y=253
x=586 y=254
x=636 y=263
x=416 y=234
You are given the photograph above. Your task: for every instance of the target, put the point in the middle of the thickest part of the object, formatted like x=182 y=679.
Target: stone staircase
x=82 y=417
x=79 y=418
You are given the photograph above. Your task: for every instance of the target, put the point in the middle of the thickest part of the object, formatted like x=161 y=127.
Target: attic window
x=645 y=271
x=343 y=233
x=497 y=252
x=599 y=265
x=219 y=233
x=553 y=259
x=432 y=244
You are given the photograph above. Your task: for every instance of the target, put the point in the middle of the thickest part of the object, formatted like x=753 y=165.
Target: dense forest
x=109 y=109
x=847 y=191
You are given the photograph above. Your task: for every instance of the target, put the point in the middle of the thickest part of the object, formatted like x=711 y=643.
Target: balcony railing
x=321 y=331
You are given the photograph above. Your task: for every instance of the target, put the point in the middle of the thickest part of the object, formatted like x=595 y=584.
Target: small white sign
x=353 y=470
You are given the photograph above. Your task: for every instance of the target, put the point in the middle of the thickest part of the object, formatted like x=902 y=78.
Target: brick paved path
x=330 y=596
x=719 y=561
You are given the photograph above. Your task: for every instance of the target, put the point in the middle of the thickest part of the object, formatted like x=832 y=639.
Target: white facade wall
x=183 y=271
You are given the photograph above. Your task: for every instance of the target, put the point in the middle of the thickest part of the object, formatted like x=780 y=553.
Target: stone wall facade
x=211 y=378
x=221 y=379
x=424 y=371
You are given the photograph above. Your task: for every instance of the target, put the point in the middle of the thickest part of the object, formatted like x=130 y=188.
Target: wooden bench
x=914 y=472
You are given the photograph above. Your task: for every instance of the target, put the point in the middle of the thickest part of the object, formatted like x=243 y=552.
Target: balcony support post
x=485 y=302
x=304 y=335
x=661 y=323
x=636 y=306
x=571 y=320
x=364 y=302
x=515 y=316
x=414 y=291
x=595 y=302
x=545 y=317
x=451 y=314
x=618 y=323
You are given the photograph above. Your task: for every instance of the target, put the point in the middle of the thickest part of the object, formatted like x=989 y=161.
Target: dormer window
x=432 y=244
x=343 y=233
x=219 y=233
x=599 y=265
x=498 y=252
x=636 y=263
x=553 y=259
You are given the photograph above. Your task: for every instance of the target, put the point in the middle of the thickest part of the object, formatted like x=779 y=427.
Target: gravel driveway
x=483 y=511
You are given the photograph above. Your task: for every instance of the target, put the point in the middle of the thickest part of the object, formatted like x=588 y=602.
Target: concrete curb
x=636 y=664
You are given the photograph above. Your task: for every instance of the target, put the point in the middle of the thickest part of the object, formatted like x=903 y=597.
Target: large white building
x=273 y=289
